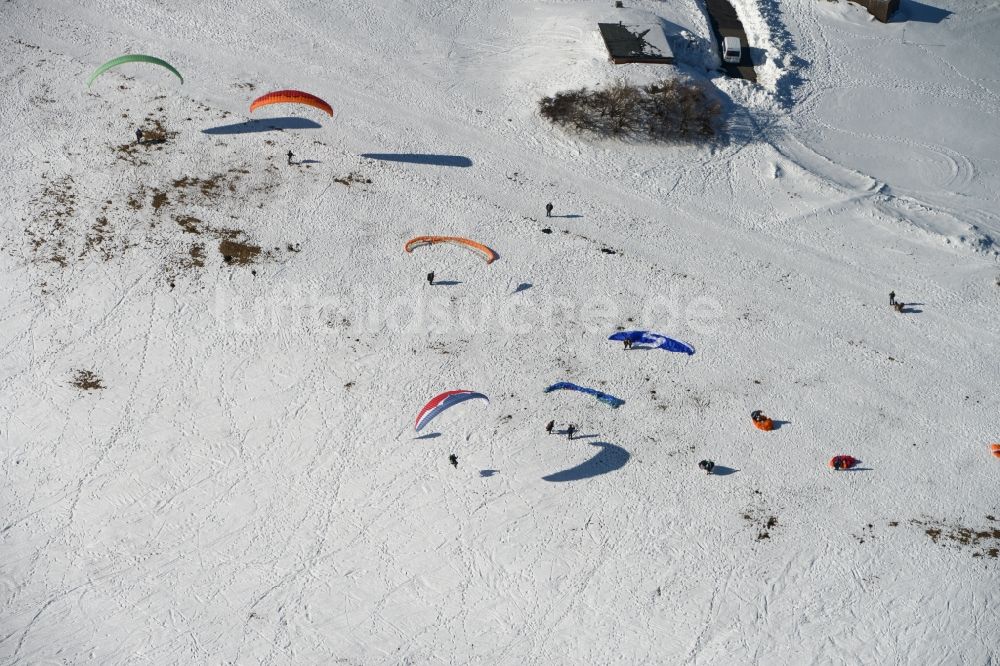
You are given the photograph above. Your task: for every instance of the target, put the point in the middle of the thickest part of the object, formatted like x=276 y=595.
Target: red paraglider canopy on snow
x=843 y=462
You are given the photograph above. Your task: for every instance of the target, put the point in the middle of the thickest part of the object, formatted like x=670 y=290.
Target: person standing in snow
x=628 y=343
x=548 y=210
x=430 y=278
x=892 y=298
x=549 y=426
x=138 y=135
x=290 y=156
x=453 y=459
x=570 y=429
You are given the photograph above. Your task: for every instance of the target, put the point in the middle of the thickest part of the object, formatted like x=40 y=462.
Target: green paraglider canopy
x=133 y=57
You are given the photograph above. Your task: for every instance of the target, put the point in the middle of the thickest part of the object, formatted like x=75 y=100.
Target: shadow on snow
x=610 y=458
x=264 y=125
x=421 y=158
x=918 y=12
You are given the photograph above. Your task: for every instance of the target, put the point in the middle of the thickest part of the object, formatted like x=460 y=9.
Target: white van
x=731 y=50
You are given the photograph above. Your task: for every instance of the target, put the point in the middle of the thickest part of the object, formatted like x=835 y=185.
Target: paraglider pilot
x=453 y=459
x=549 y=426
x=757 y=416
x=707 y=465
x=138 y=135
x=290 y=156
x=430 y=278
x=548 y=210
x=570 y=430
x=628 y=343
x=892 y=298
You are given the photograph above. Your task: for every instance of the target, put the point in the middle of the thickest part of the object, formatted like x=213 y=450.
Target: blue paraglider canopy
x=653 y=340
x=606 y=398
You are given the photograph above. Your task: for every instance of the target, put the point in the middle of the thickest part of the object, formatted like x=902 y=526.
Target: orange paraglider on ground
x=760 y=421
x=996 y=450
x=843 y=462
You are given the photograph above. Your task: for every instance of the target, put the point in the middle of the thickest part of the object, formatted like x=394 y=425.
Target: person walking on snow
x=290 y=156
x=453 y=459
x=138 y=135
x=892 y=298
x=548 y=210
x=549 y=426
x=430 y=278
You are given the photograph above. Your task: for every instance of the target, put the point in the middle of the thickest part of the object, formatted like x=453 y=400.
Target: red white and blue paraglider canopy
x=442 y=402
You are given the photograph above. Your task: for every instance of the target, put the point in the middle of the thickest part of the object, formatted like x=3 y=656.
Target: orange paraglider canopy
x=291 y=97
x=996 y=449
x=489 y=255
x=764 y=424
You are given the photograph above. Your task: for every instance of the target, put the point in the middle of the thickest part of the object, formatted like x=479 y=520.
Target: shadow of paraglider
x=421 y=158
x=610 y=458
x=264 y=125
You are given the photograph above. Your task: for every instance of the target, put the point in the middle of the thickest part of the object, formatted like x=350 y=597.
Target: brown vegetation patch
x=49 y=231
x=190 y=224
x=99 y=232
x=760 y=517
x=240 y=254
x=984 y=542
x=153 y=131
x=159 y=200
x=208 y=186
x=353 y=178
x=196 y=256
x=86 y=380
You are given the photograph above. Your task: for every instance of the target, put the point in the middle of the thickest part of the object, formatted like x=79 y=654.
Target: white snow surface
x=247 y=486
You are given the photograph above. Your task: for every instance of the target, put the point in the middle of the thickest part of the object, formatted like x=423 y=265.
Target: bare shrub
x=671 y=110
x=566 y=108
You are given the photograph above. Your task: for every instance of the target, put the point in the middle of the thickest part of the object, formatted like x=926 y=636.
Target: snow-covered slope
x=247 y=487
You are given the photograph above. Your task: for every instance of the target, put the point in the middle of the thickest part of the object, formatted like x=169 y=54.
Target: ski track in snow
x=247 y=486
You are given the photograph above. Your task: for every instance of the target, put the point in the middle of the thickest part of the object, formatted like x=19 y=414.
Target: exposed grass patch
x=86 y=380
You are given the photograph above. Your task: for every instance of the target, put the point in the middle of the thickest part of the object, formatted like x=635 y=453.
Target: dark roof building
x=636 y=43
x=880 y=9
